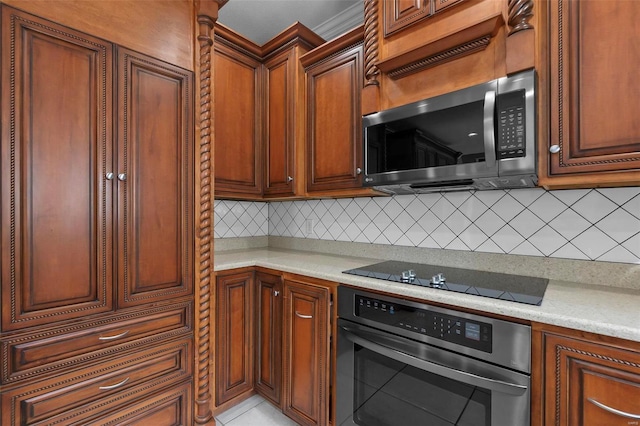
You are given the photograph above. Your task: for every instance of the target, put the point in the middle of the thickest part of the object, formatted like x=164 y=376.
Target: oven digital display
x=472 y=331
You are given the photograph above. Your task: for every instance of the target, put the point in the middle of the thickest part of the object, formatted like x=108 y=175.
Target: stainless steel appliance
x=512 y=288
x=481 y=137
x=402 y=363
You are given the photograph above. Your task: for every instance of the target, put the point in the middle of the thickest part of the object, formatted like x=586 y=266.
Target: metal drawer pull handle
x=613 y=410
x=298 y=314
x=114 y=386
x=276 y=293
x=117 y=336
x=289 y=179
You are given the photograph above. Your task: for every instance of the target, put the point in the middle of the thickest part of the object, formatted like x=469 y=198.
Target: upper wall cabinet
x=238 y=119
x=415 y=49
x=594 y=127
x=260 y=114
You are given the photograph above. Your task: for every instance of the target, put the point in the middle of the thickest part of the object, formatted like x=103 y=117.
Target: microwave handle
x=489 y=126
x=432 y=367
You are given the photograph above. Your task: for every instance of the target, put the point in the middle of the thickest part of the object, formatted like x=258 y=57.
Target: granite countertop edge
x=609 y=311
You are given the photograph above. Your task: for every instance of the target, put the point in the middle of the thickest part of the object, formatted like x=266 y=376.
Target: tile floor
x=255 y=411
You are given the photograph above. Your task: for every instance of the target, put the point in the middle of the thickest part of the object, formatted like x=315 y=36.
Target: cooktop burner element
x=514 y=288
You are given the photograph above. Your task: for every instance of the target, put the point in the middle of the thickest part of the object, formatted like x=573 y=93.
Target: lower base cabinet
x=588 y=380
x=273 y=337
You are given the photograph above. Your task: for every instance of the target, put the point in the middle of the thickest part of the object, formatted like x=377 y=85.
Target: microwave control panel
x=450 y=328
x=511 y=125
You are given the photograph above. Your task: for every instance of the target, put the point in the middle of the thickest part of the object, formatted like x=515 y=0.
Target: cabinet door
x=280 y=79
x=334 y=133
x=55 y=154
x=306 y=353
x=234 y=336
x=238 y=96
x=268 y=344
x=594 y=92
x=589 y=384
x=154 y=180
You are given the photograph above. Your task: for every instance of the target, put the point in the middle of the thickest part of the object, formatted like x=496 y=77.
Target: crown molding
x=339 y=24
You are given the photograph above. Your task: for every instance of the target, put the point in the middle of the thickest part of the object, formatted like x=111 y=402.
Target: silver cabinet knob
x=122 y=176
x=358 y=171
x=276 y=293
x=109 y=176
x=554 y=149
x=289 y=179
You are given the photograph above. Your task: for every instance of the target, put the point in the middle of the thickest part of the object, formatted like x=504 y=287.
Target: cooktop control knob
x=438 y=280
x=408 y=276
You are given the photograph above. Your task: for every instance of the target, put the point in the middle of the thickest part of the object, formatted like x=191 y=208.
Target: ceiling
x=261 y=20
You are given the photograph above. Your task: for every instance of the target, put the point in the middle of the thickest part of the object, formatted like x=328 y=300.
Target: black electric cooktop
x=514 y=288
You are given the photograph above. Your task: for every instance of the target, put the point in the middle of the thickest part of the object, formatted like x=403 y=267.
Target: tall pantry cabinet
x=96 y=170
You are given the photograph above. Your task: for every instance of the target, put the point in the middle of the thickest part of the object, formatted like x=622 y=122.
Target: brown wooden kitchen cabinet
x=334 y=119
x=306 y=352
x=97 y=224
x=585 y=379
x=594 y=132
x=234 y=335
x=268 y=342
x=237 y=92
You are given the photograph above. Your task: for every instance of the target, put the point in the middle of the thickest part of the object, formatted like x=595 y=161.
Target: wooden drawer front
x=68 y=347
x=77 y=396
x=170 y=407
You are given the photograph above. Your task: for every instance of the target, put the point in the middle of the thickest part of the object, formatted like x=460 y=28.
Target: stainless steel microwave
x=481 y=137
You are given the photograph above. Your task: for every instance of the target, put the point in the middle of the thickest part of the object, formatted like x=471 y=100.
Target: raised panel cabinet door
x=268 y=344
x=306 y=353
x=154 y=180
x=280 y=92
x=594 y=89
x=334 y=133
x=55 y=161
x=238 y=97
x=589 y=384
x=234 y=335
x=399 y=14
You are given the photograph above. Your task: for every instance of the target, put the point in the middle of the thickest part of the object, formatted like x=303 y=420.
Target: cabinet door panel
x=237 y=93
x=306 y=361
x=335 y=122
x=594 y=88
x=268 y=358
x=280 y=123
x=155 y=139
x=55 y=153
x=234 y=336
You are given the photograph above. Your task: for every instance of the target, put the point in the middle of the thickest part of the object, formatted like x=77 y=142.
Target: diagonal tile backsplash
x=590 y=224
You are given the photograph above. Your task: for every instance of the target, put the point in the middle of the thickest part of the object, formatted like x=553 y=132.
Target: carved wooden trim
x=440 y=58
x=206 y=18
x=371 y=71
x=452 y=46
x=520 y=12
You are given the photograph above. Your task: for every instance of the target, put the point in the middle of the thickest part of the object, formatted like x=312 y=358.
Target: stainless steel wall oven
x=402 y=363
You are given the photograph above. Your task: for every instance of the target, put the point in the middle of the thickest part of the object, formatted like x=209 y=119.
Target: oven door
x=389 y=380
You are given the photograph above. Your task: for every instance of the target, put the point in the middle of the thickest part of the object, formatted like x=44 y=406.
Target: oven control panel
x=450 y=328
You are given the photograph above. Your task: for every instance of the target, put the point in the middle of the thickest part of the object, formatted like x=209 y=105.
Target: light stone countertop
x=606 y=310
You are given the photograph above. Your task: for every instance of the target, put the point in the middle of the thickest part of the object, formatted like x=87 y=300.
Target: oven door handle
x=432 y=367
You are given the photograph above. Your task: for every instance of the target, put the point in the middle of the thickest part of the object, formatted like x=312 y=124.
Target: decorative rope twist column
x=204 y=231
x=371 y=71
x=520 y=11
